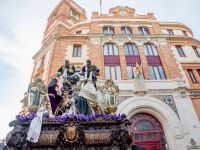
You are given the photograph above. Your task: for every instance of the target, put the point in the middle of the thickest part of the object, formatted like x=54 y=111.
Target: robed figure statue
x=86 y=100
x=61 y=89
x=54 y=94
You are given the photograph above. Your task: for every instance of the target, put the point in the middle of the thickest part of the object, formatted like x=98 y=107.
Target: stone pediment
x=123 y=11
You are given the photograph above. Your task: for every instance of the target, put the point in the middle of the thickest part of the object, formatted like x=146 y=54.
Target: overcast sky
x=22 y=23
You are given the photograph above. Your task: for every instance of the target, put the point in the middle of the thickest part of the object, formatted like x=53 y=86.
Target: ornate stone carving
x=168 y=99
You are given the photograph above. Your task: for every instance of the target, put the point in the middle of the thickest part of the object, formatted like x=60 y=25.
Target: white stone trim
x=153 y=106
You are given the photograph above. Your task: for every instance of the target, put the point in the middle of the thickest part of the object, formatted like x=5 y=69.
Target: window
x=110 y=49
x=157 y=73
x=150 y=50
x=108 y=30
x=126 y=30
x=170 y=32
x=180 y=51
x=198 y=70
x=147 y=129
x=131 y=73
x=184 y=33
x=74 y=14
x=113 y=72
x=143 y=31
x=77 y=51
x=192 y=77
x=196 y=51
x=130 y=49
x=79 y=32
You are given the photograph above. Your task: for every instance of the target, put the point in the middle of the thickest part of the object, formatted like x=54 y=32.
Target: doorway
x=147 y=132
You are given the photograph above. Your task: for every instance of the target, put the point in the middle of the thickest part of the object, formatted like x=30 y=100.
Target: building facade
x=163 y=102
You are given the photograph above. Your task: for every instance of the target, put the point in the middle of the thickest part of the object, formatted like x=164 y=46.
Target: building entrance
x=147 y=132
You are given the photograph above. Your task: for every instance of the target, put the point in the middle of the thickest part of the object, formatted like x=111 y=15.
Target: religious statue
x=90 y=72
x=69 y=68
x=79 y=93
x=64 y=72
x=62 y=102
x=54 y=94
x=86 y=100
x=36 y=92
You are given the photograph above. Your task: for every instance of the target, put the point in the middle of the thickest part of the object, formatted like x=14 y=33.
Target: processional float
x=75 y=111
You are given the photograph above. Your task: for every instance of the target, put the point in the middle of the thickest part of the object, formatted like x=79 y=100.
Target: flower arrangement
x=80 y=117
x=26 y=116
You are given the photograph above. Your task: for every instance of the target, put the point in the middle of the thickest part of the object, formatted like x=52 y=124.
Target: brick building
x=163 y=104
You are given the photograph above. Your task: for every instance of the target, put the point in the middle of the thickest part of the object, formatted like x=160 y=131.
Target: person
x=54 y=95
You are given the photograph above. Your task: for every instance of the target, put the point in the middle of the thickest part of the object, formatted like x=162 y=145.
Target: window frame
x=143 y=30
x=114 y=51
x=180 y=51
x=170 y=32
x=192 y=76
x=133 y=51
x=77 y=51
x=126 y=29
x=184 y=33
x=198 y=71
x=79 y=32
x=108 y=30
x=112 y=72
x=155 y=73
x=196 y=51
x=150 y=49
x=75 y=14
x=131 y=69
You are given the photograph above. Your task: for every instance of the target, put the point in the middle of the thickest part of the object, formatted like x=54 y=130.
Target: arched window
x=148 y=132
x=150 y=50
x=110 y=49
x=130 y=49
x=144 y=125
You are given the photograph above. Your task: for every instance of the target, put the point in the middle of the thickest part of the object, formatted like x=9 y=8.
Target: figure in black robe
x=54 y=97
x=69 y=67
x=88 y=70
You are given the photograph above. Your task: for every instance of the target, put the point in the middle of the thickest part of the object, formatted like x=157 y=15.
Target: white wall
x=189 y=52
x=178 y=130
x=176 y=32
x=77 y=60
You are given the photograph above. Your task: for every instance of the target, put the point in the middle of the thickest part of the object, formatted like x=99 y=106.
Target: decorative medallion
x=71 y=133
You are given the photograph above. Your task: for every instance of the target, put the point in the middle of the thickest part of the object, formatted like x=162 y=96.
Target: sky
x=22 y=23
